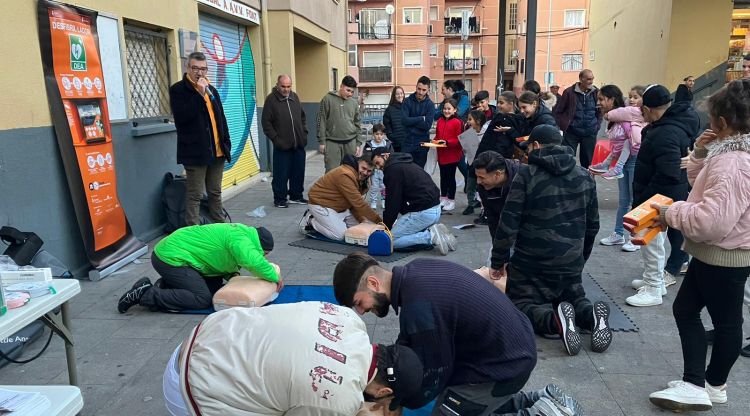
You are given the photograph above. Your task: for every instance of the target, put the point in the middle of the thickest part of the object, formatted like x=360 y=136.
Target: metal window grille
x=512 y=16
x=572 y=62
x=147 y=60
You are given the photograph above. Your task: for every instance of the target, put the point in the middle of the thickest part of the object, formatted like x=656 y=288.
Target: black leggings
x=720 y=290
x=448 y=180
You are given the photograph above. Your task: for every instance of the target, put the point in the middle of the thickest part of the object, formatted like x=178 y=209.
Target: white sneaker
x=443 y=200
x=716 y=394
x=382 y=203
x=646 y=296
x=438 y=240
x=630 y=247
x=613 y=239
x=450 y=205
x=682 y=396
x=450 y=239
x=638 y=283
x=374 y=205
x=669 y=279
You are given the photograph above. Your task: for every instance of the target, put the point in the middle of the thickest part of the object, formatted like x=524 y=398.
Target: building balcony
x=375 y=74
x=453 y=26
x=378 y=33
x=472 y=65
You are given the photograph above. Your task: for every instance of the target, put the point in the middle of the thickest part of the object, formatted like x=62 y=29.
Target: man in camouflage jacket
x=551 y=215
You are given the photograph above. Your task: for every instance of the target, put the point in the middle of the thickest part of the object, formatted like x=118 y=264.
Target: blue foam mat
x=290 y=294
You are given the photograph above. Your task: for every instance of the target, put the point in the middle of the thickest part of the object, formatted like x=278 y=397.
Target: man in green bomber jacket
x=194 y=261
x=339 y=125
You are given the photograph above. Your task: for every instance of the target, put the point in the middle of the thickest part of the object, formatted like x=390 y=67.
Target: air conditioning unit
x=429 y=29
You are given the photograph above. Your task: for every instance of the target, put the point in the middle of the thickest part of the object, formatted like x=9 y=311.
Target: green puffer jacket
x=216 y=250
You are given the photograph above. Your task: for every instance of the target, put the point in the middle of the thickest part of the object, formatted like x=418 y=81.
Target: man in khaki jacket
x=336 y=201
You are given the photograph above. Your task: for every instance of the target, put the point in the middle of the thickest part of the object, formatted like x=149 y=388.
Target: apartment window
x=413 y=15
x=457 y=51
x=352 y=55
x=512 y=16
x=433 y=13
x=433 y=88
x=459 y=11
x=147 y=60
x=413 y=59
x=574 y=18
x=511 y=52
x=572 y=62
x=371 y=59
x=374 y=24
x=349 y=15
x=433 y=49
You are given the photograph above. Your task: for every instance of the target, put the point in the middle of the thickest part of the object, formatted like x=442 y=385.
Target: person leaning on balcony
x=203 y=144
x=393 y=119
x=339 y=128
x=418 y=112
x=284 y=124
x=578 y=116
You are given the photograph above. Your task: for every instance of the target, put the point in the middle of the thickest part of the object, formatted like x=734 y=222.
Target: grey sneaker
x=612 y=240
x=563 y=403
x=449 y=237
x=438 y=240
x=669 y=279
x=601 y=334
x=569 y=333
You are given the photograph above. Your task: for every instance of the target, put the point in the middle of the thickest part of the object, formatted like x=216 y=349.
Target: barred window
x=572 y=62
x=147 y=59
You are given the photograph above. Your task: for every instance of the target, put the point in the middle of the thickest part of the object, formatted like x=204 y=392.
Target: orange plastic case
x=645 y=236
x=643 y=213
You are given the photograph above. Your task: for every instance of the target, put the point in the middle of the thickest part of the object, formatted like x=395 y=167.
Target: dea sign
x=77 y=53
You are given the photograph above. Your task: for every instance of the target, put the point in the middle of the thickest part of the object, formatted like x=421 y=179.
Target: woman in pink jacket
x=715 y=221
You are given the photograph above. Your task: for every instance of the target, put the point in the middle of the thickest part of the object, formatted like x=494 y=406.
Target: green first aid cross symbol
x=77 y=53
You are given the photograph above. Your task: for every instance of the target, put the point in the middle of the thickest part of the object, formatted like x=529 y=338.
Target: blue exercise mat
x=425 y=411
x=290 y=294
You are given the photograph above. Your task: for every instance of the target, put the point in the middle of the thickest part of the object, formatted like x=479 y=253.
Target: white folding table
x=43 y=307
x=66 y=400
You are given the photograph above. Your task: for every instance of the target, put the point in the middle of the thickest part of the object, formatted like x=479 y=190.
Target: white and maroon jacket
x=308 y=358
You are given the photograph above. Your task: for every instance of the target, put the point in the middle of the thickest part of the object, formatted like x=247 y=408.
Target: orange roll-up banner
x=78 y=104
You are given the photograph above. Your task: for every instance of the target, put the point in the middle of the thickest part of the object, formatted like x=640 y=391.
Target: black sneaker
x=282 y=204
x=565 y=403
x=468 y=211
x=133 y=296
x=571 y=338
x=482 y=220
x=601 y=334
x=298 y=201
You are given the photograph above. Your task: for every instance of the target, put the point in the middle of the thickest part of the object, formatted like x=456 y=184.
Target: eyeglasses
x=199 y=68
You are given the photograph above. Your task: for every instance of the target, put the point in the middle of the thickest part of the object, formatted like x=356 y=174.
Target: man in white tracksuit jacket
x=308 y=358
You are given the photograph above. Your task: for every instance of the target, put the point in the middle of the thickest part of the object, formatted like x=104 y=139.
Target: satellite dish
x=390 y=9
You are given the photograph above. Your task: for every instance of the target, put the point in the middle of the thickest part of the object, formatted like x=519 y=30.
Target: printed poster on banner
x=78 y=102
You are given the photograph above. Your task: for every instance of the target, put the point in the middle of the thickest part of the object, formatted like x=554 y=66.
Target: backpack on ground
x=173 y=201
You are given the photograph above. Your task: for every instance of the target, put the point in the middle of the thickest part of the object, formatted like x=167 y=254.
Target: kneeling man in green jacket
x=194 y=261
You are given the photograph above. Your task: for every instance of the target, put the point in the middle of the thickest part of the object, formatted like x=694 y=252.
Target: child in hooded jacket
x=449 y=126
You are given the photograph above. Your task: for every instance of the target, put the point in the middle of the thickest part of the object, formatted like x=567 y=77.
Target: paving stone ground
x=121 y=357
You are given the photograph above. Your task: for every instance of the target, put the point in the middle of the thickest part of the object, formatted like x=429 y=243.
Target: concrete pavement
x=121 y=357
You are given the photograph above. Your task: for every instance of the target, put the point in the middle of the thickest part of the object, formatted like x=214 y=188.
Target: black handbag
x=22 y=246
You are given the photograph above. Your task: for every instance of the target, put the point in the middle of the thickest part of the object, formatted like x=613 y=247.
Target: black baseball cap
x=545 y=134
x=266 y=238
x=404 y=372
x=656 y=96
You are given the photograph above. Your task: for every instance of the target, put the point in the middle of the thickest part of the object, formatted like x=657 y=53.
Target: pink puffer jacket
x=618 y=133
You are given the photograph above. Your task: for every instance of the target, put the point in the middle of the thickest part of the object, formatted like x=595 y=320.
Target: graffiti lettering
x=330 y=353
x=328 y=329
x=329 y=309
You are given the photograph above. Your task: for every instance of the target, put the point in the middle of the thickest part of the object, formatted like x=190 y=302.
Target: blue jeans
x=625 y=184
x=411 y=228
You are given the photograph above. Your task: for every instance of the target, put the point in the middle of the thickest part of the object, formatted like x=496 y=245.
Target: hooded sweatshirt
x=715 y=219
x=502 y=142
x=340 y=189
x=216 y=250
x=410 y=188
x=551 y=215
x=339 y=120
x=417 y=117
x=663 y=143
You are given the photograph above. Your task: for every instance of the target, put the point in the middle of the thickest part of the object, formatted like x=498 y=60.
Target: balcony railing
x=375 y=74
x=453 y=25
x=470 y=64
x=377 y=31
